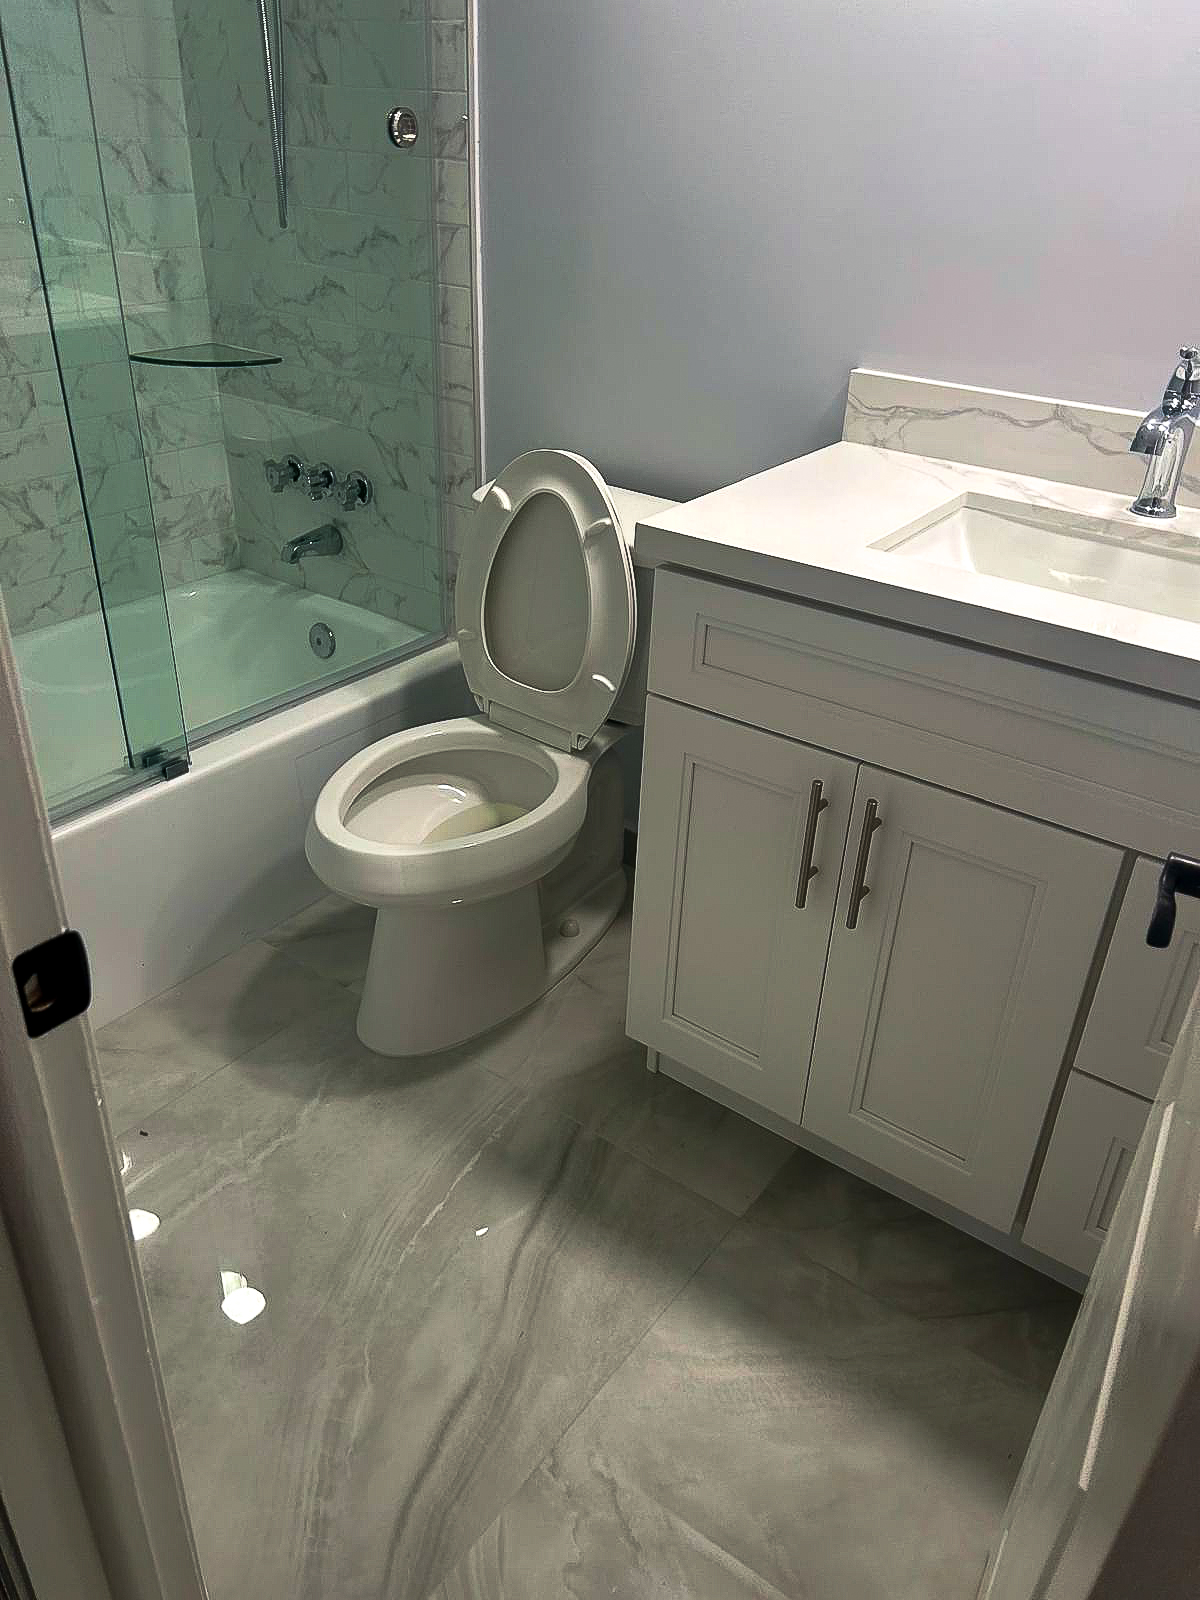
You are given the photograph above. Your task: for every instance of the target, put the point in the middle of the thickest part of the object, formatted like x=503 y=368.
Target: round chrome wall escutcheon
x=402 y=126
x=322 y=641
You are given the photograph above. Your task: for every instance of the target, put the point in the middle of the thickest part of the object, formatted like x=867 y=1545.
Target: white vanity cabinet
x=910 y=958
x=926 y=1030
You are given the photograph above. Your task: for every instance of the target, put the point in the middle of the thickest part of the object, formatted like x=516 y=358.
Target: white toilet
x=492 y=845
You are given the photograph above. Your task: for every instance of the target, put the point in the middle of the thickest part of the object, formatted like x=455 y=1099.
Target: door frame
x=83 y=1413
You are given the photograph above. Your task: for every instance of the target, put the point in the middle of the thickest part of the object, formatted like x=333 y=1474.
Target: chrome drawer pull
x=807 y=871
x=859 y=888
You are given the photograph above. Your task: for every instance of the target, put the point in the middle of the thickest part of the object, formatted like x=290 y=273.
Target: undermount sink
x=1066 y=553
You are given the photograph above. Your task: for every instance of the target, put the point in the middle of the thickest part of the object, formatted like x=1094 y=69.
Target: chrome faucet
x=319 y=481
x=1164 y=436
x=323 y=541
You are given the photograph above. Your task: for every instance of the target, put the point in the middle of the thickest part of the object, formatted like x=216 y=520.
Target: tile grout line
x=306 y=967
x=528 y=1093
x=896 y=1310
x=196 y=1083
x=617 y=1369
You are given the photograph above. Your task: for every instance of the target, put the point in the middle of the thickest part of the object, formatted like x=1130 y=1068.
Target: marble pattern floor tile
x=1008 y=1314
x=778 y=1432
x=450 y=1272
x=1026 y=1342
x=333 y=937
x=572 y=1052
x=516 y=1342
x=895 y=1251
x=155 y=1052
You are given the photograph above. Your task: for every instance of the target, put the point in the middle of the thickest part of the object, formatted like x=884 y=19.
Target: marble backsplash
x=1064 y=440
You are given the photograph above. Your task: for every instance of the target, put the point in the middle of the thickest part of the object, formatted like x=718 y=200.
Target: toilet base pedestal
x=440 y=975
x=438 y=978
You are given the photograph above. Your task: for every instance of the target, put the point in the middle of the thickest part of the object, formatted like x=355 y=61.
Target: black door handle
x=1180 y=875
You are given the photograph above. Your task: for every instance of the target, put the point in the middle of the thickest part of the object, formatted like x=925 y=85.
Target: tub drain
x=320 y=637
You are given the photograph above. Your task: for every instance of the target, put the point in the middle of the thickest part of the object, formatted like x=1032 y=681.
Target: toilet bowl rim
x=568 y=774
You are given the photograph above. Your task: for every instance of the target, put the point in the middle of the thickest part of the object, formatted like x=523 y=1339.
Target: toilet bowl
x=491 y=845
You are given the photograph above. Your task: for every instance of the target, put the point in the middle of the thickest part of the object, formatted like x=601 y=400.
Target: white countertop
x=806 y=529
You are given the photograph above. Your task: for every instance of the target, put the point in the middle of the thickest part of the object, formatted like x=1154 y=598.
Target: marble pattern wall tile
x=39 y=602
x=46 y=570
x=350 y=290
x=346 y=295
x=457 y=398
x=133 y=52
x=142 y=155
x=1064 y=440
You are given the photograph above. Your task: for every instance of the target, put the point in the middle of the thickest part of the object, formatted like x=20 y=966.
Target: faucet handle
x=355 y=491
x=279 y=474
x=1185 y=380
x=319 y=481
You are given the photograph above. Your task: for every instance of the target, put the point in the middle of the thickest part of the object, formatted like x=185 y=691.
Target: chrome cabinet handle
x=859 y=888
x=807 y=871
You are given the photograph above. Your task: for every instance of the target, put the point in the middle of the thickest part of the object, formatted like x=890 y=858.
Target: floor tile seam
x=307 y=967
x=993 y=1311
x=889 y=1305
x=529 y=1096
x=619 y=1367
x=199 y=1083
x=191 y=976
x=165 y=1105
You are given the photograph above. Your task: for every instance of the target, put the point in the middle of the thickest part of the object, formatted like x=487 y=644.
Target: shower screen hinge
x=169 y=766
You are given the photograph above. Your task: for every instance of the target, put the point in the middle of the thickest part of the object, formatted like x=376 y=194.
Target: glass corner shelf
x=205 y=355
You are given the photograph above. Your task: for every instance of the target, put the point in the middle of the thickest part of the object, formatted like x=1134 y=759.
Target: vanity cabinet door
x=951 y=988
x=730 y=934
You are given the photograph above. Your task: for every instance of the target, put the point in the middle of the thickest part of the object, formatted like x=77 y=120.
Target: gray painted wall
x=699 y=214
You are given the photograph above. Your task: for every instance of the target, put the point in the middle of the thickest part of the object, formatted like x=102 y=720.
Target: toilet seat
x=546 y=513
x=463 y=867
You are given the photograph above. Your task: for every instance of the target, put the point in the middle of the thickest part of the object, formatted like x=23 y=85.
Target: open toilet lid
x=544 y=604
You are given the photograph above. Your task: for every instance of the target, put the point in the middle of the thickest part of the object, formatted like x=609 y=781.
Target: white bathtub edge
x=167 y=880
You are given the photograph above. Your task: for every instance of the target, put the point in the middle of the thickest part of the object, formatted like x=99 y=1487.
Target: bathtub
x=240 y=641
x=169 y=878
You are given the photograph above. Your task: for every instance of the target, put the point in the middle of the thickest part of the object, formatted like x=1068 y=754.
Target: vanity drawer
x=1086 y=754
x=1143 y=994
x=1089 y=1155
